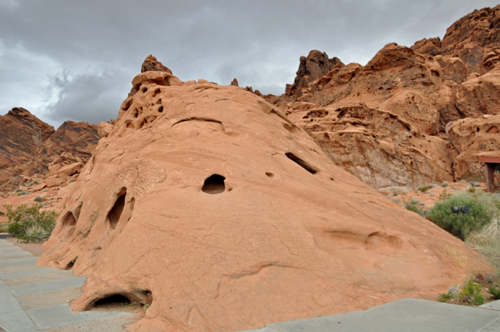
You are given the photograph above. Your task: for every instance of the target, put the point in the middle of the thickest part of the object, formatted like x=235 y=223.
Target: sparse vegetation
x=38 y=199
x=471 y=293
x=487 y=242
x=424 y=189
x=443 y=195
x=494 y=291
x=445 y=297
x=29 y=223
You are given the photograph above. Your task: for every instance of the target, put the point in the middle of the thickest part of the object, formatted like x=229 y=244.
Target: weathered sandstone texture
x=207 y=204
x=31 y=149
x=386 y=122
x=474 y=137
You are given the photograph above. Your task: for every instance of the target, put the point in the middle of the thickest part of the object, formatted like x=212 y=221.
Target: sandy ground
x=33 y=247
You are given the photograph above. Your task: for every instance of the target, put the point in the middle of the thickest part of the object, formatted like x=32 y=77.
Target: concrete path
x=409 y=315
x=34 y=298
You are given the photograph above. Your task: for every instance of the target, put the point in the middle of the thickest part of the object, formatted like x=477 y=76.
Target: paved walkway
x=409 y=315
x=34 y=298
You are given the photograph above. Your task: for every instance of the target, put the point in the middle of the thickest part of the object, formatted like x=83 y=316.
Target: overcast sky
x=75 y=59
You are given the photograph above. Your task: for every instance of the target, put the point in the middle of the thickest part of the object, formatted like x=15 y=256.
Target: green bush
x=29 y=223
x=462 y=224
x=495 y=292
x=471 y=293
x=38 y=199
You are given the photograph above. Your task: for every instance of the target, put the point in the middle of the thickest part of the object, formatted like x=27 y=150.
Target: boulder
x=210 y=206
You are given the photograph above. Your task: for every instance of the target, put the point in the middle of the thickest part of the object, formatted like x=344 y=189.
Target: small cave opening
x=269 y=174
x=69 y=219
x=160 y=109
x=214 y=184
x=115 y=212
x=143 y=123
x=111 y=301
x=302 y=163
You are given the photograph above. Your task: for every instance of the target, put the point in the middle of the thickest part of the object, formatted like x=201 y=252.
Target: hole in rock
x=127 y=104
x=214 y=184
x=69 y=219
x=146 y=297
x=158 y=102
x=269 y=174
x=130 y=125
x=77 y=211
x=115 y=213
x=160 y=109
x=69 y=266
x=477 y=129
x=144 y=90
x=143 y=122
x=302 y=163
x=156 y=92
x=111 y=301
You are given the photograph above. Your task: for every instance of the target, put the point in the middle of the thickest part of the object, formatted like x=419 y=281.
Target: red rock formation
x=151 y=64
x=474 y=137
x=203 y=195
x=315 y=65
x=31 y=148
x=426 y=86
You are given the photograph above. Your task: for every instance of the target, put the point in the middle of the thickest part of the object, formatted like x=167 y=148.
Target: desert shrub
x=2 y=213
x=29 y=223
x=38 y=198
x=415 y=208
x=487 y=242
x=494 y=291
x=445 y=297
x=471 y=293
x=462 y=224
x=424 y=189
x=4 y=228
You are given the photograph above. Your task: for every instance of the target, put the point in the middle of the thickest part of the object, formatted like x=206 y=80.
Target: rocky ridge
x=32 y=151
x=387 y=122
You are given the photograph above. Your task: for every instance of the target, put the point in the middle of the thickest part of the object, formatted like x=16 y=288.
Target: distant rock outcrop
x=31 y=150
x=315 y=65
x=151 y=64
x=203 y=195
x=404 y=97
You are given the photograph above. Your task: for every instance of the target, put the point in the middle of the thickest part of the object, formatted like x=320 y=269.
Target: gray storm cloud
x=85 y=53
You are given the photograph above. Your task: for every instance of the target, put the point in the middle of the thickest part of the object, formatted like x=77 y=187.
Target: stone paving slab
x=408 y=314
x=495 y=305
x=13 y=318
x=48 y=286
x=114 y=324
x=7 y=249
x=15 y=254
x=58 y=315
x=18 y=261
x=26 y=271
x=38 y=300
x=38 y=278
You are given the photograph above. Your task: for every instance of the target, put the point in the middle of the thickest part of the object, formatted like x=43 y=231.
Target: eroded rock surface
x=29 y=147
x=405 y=98
x=209 y=205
